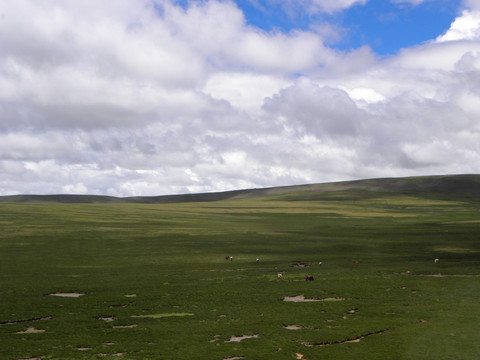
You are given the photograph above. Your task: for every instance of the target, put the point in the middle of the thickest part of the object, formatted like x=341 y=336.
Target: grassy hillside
x=150 y=281
x=420 y=186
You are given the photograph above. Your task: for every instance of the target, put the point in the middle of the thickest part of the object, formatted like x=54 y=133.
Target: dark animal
x=309 y=278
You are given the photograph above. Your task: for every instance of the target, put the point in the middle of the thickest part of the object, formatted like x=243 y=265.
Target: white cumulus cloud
x=465 y=27
x=148 y=98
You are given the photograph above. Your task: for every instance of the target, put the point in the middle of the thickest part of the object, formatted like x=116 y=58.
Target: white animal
x=279 y=275
x=319 y=263
x=258 y=260
x=436 y=261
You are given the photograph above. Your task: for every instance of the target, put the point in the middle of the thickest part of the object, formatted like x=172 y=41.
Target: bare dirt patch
x=107 y=318
x=241 y=338
x=293 y=327
x=301 y=298
x=67 y=295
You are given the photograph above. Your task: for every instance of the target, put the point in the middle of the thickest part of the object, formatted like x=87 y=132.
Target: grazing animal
x=436 y=260
x=355 y=261
x=309 y=278
x=258 y=260
x=231 y=258
x=320 y=263
x=227 y=257
x=279 y=275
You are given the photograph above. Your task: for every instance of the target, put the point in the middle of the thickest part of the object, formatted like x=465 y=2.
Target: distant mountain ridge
x=465 y=185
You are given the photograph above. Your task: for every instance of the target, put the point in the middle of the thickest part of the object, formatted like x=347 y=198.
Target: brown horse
x=308 y=277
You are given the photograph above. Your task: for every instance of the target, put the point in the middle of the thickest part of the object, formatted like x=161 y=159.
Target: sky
x=144 y=97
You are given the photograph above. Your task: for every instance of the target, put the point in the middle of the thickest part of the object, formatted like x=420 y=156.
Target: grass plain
x=156 y=284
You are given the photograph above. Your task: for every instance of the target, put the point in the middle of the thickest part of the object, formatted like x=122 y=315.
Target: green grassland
x=156 y=283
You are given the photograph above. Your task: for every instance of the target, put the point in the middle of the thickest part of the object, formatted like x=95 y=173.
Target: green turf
x=156 y=283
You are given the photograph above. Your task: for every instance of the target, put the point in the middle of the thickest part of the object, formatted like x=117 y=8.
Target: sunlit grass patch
x=456 y=250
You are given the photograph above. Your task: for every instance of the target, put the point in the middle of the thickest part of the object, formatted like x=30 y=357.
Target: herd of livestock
x=301 y=264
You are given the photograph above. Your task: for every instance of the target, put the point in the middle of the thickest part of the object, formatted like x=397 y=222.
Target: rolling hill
x=438 y=186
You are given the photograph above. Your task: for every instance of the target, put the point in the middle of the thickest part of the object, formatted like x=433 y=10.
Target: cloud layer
x=144 y=98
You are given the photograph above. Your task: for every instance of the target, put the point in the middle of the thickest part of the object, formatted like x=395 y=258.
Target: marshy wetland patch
x=12 y=322
x=345 y=341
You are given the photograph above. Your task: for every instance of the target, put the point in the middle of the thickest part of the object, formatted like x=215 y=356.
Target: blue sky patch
x=380 y=24
x=388 y=27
